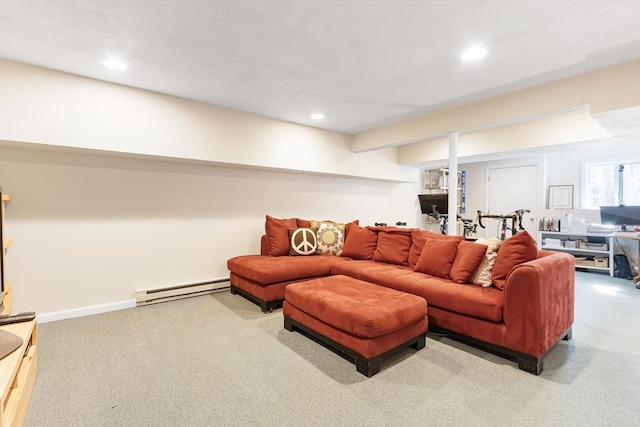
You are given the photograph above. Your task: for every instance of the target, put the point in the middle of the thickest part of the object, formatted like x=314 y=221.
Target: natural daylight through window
x=604 y=181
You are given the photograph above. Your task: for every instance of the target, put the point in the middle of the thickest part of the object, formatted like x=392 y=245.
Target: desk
x=631 y=236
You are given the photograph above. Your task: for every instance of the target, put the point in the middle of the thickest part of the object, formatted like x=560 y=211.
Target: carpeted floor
x=217 y=360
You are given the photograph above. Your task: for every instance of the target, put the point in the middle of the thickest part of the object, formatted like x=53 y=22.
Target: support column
x=452 y=229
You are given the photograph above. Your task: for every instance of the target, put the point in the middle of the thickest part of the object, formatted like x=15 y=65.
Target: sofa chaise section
x=262 y=279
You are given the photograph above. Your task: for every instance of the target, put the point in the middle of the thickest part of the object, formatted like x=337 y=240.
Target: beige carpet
x=217 y=360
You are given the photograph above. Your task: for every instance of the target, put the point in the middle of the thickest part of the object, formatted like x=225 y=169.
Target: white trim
x=85 y=311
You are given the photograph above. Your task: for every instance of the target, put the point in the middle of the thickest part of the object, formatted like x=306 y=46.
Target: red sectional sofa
x=524 y=309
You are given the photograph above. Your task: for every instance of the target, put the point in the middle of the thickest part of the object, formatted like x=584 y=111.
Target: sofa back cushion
x=360 y=243
x=277 y=232
x=468 y=258
x=393 y=247
x=437 y=257
x=513 y=251
x=303 y=223
x=418 y=237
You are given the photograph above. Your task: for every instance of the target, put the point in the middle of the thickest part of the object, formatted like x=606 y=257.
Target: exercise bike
x=468 y=227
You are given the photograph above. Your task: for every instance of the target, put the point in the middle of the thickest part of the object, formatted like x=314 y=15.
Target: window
x=611 y=183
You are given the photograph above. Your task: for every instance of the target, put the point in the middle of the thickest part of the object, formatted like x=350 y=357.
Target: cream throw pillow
x=330 y=237
x=482 y=275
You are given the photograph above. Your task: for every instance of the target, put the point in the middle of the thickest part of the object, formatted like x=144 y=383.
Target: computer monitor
x=427 y=201
x=620 y=215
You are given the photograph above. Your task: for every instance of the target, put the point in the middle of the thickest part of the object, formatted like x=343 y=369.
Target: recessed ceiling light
x=317 y=116
x=474 y=54
x=115 y=64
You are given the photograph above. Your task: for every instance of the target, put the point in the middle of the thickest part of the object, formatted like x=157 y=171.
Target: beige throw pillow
x=330 y=237
x=482 y=275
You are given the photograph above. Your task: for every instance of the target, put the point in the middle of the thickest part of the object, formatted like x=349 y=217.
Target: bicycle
x=468 y=227
x=516 y=222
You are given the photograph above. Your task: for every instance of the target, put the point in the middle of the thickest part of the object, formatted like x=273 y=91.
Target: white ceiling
x=363 y=63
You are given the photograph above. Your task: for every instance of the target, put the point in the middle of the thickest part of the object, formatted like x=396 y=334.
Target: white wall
x=90 y=229
x=41 y=106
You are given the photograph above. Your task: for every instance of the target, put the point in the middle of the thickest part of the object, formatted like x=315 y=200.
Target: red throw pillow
x=392 y=248
x=347 y=227
x=418 y=238
x=277 y=231
x=303 y=223
x=513 y=251
x=361 y=243
x=437 y=257
x=468 y=258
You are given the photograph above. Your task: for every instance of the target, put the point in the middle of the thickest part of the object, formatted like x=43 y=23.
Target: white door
x=509 y=189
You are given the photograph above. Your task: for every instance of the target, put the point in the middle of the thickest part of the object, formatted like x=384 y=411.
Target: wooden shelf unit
x=18 y=369
x=578 y=252
x=6 y=244
x=436 y=181
x=18 y=374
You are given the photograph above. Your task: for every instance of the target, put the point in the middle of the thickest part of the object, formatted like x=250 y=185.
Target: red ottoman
x=363 y=321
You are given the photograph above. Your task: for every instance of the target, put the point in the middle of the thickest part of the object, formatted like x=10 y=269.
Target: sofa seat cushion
x=266 y=270
x=371 y=271
x=358 y=308
x=466 y=299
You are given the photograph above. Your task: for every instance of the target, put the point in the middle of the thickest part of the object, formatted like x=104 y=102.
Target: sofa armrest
x=264 y=248
x=539 y=302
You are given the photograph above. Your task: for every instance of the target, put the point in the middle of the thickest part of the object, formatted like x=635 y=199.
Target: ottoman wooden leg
x=367 y=367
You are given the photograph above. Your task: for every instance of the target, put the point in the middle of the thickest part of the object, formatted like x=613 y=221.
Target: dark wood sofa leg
x=367 y=367
x=568 y=336
x=287 y=324
x=420 y=343
x=233 y=290
x=532 y=365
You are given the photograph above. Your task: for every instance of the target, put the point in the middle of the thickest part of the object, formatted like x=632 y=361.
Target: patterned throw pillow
x=330 y=237
x=482 y=275
x=303 y=241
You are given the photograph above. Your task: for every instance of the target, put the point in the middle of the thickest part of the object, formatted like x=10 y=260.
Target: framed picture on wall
x=561 y=197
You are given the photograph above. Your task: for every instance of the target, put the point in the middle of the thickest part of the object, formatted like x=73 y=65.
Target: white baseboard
x=85 y=311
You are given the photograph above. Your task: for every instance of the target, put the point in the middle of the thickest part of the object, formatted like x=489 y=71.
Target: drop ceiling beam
x=607 y=89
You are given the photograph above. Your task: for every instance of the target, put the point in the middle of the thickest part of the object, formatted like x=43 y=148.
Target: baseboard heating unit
x=153 y=296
